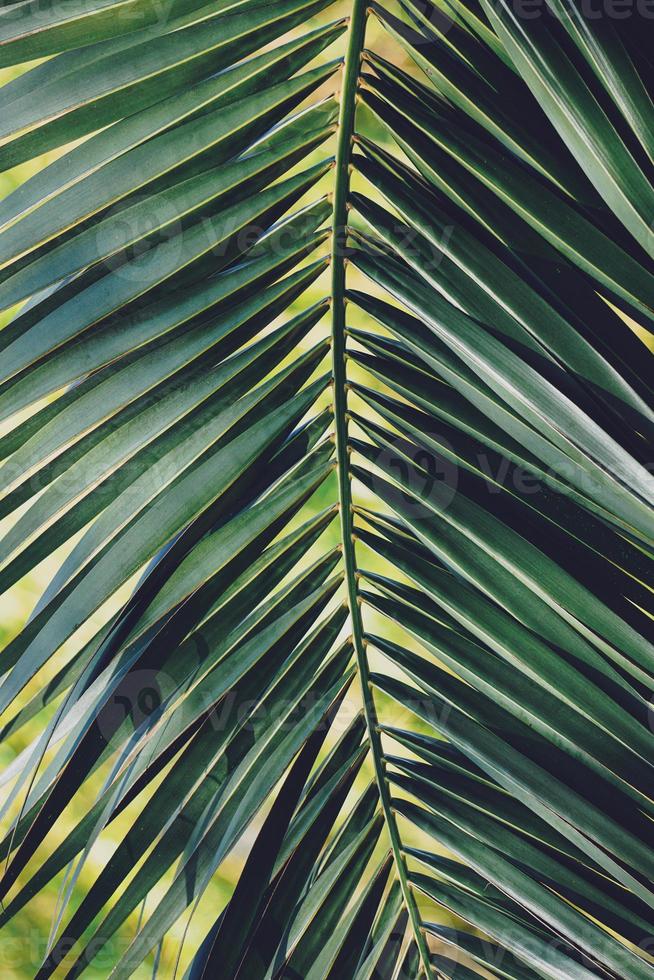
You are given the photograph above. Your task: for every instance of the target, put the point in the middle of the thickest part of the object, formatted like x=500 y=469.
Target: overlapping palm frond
x=425 y=470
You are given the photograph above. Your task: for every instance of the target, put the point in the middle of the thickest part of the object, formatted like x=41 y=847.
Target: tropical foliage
x=196 y=409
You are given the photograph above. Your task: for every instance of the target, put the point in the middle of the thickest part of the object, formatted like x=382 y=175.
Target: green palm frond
x=327 y=403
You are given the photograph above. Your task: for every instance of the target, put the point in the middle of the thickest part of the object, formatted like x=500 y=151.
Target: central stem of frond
x=346 y=131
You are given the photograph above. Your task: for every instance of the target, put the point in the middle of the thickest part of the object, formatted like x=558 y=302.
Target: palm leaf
x=186 y=441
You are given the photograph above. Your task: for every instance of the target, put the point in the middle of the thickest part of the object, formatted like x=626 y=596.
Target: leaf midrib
x=346 y=132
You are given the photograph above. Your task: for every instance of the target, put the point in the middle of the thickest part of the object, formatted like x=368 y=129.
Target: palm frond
x=443 y=494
